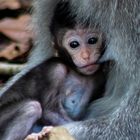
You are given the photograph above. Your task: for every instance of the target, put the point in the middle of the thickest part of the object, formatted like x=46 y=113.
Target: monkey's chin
x=89 y=70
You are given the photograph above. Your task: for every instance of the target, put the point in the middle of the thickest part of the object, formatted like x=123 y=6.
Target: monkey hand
x=40 y=136
x=51 y=133
x=56 y=133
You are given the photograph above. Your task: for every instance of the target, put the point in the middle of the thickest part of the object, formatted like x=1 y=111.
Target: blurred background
x=15 y=36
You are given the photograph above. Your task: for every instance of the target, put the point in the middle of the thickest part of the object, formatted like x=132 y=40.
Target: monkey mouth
x=90 y=68
x=89 y=65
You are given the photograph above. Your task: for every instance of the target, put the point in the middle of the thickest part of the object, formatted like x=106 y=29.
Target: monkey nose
x=85 y=55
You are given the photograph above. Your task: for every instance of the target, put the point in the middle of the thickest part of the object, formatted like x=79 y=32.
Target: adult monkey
x=115 y=116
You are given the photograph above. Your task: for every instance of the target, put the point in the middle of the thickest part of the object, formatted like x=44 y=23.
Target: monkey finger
x=46 y=130
x=33 y=136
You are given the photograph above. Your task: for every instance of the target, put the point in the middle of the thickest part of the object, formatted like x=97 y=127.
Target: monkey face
x=84 y=47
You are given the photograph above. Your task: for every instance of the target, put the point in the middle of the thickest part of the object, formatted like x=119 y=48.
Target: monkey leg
x=17 y=119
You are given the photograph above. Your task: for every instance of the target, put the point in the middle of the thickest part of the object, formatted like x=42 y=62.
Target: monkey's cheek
x=89 y=70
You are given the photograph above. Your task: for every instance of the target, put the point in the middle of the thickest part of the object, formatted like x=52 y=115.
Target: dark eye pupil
x=92 y=40
x=74 y=44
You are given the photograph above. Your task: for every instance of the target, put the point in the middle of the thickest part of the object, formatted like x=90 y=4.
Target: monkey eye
x=74 y=44
x=92 y=40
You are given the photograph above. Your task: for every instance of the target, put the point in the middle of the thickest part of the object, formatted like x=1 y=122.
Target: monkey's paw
x=58 y=133
x=51 y=133
x=34 y=136
x=39 y=136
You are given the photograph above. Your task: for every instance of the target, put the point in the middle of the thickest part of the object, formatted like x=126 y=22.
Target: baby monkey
x=73 y=73
x=77 y=76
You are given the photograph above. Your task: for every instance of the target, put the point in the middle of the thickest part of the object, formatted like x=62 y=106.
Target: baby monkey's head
x=84 y=46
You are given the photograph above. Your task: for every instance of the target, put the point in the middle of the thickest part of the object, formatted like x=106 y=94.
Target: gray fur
x=43 y=49
x=117 y=115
